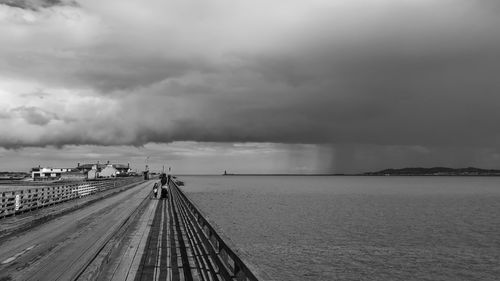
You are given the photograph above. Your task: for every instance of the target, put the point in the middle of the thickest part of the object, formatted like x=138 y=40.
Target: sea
x=358 y=227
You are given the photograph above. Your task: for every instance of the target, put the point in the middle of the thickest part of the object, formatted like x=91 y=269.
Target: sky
x=283 y=86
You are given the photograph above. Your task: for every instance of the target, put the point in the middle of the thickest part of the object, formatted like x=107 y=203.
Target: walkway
x=129 y=236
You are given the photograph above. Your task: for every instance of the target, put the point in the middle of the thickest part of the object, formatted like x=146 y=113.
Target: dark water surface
x=359 y=228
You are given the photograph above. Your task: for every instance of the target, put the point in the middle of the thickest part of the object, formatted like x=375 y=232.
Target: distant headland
x=435 y=171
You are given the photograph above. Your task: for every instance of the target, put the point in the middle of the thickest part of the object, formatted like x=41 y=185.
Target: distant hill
x=435 y=171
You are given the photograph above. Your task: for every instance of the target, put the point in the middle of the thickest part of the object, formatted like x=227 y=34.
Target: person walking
x=155 y=189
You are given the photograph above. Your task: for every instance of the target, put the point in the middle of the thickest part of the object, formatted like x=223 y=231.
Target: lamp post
x=146 y=162
x=146 y=171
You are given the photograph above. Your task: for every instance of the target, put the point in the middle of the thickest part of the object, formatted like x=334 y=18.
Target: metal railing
x=19 y=200
x=227 y=263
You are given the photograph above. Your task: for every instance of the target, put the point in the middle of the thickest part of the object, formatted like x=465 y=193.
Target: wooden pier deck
x=180 y=245
x=129 y=236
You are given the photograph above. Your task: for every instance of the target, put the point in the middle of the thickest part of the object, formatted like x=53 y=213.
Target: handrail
x=230 y=265
x=17 y=201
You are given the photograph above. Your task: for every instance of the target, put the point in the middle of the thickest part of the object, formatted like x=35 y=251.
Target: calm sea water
x=358 y=228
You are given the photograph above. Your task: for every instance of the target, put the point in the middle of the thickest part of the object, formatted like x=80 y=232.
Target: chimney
x=128 y=165
x=78 y=165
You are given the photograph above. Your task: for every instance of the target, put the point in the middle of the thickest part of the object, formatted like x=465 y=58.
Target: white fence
x=26 y=199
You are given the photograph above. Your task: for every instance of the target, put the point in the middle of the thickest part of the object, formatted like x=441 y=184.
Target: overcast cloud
x=375 y=77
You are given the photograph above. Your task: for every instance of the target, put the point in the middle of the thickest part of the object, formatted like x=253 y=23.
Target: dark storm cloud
x=105 y=72
x=37 y=4
x=375 y=73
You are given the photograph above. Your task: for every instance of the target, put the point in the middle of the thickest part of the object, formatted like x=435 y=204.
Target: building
x=85 y=168
x=107 y=170
x=88 y=171
x=122 y=169
x=48 y=173
x=93 y=173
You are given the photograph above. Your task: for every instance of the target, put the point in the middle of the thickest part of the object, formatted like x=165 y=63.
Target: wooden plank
x=163 y=263
x=148 y=260
x=129 y=261
x=173 y=245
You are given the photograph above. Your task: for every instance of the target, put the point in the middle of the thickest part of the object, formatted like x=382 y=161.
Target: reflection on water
x=359 y=228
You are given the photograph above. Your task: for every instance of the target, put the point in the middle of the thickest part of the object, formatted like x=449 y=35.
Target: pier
x=112 y=230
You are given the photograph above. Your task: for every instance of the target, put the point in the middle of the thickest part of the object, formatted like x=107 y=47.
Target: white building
x=93 y=173
x=108 y=172
x=40 y=173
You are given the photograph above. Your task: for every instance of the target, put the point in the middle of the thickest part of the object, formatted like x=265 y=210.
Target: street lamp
x=146 y=162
